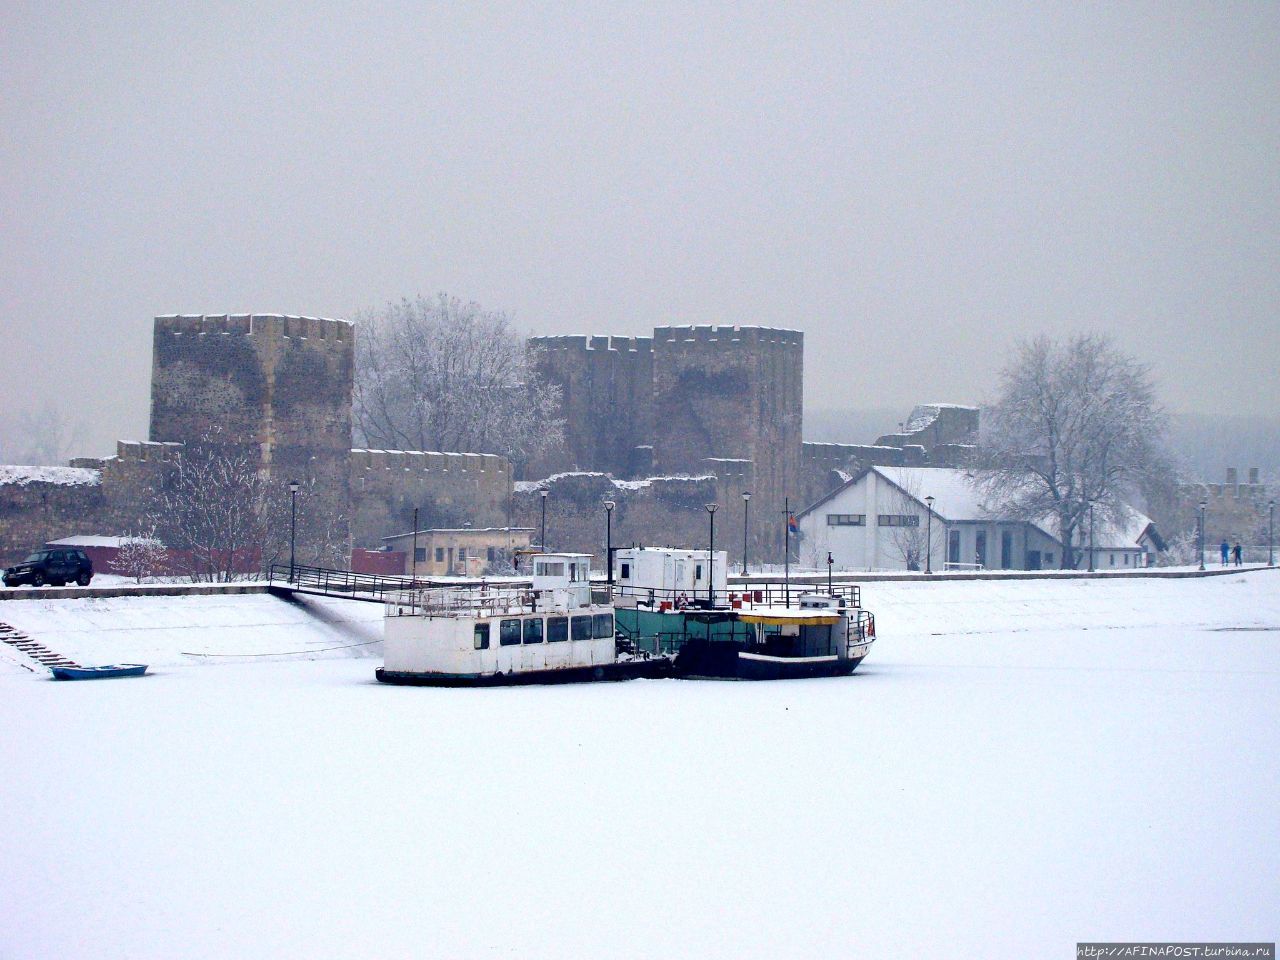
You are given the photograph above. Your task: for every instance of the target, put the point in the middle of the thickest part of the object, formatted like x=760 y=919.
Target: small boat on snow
x=100 y=673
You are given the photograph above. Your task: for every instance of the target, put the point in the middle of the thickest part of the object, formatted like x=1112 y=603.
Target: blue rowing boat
x=99 y=673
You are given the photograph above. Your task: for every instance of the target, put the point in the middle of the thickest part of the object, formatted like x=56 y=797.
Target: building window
x=1048 y=559
x=898 y=520
x=980 y=549
x=953 y=546
x=491 y=554
x=482 y=636
x=846 y=519
x=602 y=626
x=557 y=629
x=509 y=633
x=439 y=554
x=1113 y=559
x=581 y=628
x=419 y=554
x=533 y=630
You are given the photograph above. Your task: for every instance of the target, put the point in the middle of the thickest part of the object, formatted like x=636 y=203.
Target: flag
x=792 y=527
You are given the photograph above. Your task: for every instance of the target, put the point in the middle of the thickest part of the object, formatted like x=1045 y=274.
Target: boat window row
x=513 y=631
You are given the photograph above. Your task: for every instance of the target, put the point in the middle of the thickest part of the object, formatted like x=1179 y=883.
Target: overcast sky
x=914 y=187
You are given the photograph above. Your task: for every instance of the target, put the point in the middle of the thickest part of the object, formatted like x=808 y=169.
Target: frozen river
x=1019 y=766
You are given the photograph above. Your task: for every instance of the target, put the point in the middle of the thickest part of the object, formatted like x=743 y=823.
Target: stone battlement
x=582 y=342
x=725 y=335
x=424 y=461
x=145 y=451
x=256 y=324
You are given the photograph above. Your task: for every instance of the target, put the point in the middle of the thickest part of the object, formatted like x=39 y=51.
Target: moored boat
x=671 y=602
x=99 y=673
x=553 y=631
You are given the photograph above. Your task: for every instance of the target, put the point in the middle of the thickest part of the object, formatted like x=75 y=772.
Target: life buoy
x=682 y=601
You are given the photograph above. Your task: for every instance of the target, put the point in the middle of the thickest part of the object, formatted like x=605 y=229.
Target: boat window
x=557 y=629
x=697 y=571
x=602 y=626
x=482 y=636
x=509 y=633
x=550 y=569
x=582 y=628
x=626 y=571
x=533 y=630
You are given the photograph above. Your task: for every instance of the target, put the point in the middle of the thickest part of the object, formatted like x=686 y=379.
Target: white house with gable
x=881 y=519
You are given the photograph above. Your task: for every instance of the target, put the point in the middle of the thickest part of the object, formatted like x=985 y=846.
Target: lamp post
x=1091 y=536
x=830 y=561
x=711 y=555
x=294 y=487
x=1271 y=533
x=1203 y=504
x=542 y=536
x=928 y=537
x=746 y=506
x=413 y=562
x=608 y=539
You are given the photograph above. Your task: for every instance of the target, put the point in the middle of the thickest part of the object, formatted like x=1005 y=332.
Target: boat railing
x=399 y=590
x=862 y=629
x=763 y=593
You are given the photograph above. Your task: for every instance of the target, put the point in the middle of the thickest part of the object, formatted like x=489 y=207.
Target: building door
x=953 y=546
x=1006 y=549
x=980 y=548
x=1033 y=559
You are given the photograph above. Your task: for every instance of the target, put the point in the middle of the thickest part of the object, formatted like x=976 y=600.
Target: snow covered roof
x=20 y=476
x=88 y=541
x=955 y=495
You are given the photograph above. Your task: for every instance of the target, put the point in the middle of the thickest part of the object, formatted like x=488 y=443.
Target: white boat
x=496 y=635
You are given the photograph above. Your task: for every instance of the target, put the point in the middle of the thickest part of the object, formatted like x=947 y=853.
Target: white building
x=879 y=520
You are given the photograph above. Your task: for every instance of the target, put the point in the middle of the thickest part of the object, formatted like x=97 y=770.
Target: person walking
x=1226 y=552
x=1237 y=554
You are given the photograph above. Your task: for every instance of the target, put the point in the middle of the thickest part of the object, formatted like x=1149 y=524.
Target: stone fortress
x=659 y=425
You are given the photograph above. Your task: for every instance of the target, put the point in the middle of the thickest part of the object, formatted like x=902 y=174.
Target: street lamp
x=1091 y=536
x=294 y=487
x=746 y=506
x=1271 y=533
x=830 y=561
x=928 y=537
x=413 y=563
x=608 y=538
x=543 y=535
x=711 y=555
x=1203 y=504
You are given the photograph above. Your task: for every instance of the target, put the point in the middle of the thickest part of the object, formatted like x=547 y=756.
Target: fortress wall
x=449 y=489
x=606 y=386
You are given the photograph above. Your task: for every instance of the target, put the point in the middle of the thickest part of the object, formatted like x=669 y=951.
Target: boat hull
x=626 y=670
x=722 y=661
x=99 y=673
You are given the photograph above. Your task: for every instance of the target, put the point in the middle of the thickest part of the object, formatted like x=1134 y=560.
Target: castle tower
x=279 y=385
x=733 y=393
x=606 y=386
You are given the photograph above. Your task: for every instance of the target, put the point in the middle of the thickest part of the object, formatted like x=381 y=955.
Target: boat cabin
x=652 y=575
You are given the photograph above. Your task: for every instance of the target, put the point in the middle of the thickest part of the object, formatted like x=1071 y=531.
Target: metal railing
x=381 y=588
x=766 y=593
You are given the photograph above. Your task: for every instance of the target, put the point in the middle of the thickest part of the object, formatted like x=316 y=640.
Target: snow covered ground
x=1020 y=765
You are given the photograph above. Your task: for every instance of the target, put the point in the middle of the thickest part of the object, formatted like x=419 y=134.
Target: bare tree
x=907 y=534
x=446 y=375
x=140 y=556
x=1076 y=423
x=222 y=510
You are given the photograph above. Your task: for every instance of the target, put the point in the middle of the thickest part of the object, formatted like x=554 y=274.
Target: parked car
x=54 y=567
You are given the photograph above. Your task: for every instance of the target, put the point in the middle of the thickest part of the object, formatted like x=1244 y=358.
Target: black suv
x=51 y=566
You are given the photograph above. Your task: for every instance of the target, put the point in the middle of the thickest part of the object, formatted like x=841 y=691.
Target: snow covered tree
x=140 y=556
x=1076 y=423
x=446 y=375
x=907 y=538
x=222 y=510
